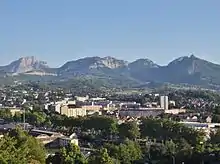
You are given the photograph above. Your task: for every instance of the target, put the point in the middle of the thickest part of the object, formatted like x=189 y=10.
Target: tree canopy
x=19 y=148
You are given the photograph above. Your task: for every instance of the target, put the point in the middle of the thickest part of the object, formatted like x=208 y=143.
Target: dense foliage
x=158 y=140
x=18 y=147
x=145 y=140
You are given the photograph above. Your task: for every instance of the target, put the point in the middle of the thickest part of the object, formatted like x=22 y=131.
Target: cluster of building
x=154 y=109
x=74 y=106
x=82 y=106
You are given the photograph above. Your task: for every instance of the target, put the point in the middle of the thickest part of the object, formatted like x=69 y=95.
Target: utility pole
x=174 y=161
x=24 y=117
x=24 y=101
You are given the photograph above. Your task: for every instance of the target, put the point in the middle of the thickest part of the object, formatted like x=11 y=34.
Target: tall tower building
x=164 y=102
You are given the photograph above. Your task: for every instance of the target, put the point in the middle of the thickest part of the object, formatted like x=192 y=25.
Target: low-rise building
x=173 y=103
x=208 y=119
x=92 y=107
x=55 y=107
x=72 y=111
x=54 y=139
x=175 y=111
x=97 y=99
x=65 y=141
x=45 y=137
x=82 y=99
x=141 y=112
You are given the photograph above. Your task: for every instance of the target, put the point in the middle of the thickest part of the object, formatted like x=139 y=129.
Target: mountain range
x=187 y=69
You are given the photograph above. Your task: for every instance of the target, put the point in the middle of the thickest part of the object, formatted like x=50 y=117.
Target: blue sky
x=61 y=30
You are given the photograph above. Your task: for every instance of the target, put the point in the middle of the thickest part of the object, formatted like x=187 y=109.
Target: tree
x=35 y=118
x=129 y=130
x=57 y=120
x=217 y=110
x=6 y=114
x=163 y=130
x=216 y=118
x=56 y=159
x=9 y=153
x=72 y=155
x=127 y=152
x=107 y=125
x=171 y=147
x=157 y=151
x=17 y=117
x=184 y=148
x=151 y=128
x=101 y=157
x=215 y=137
x=19 y=148
x=77 y=122
x=171 y=150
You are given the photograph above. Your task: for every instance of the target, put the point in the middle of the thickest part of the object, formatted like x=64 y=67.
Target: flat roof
x=142 y=109
x=43 y=132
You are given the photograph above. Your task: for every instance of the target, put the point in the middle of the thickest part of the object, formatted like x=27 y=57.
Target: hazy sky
x=61 y=30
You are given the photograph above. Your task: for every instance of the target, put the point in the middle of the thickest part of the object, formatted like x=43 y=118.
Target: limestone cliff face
x=113 y=63
x=25 y=64
x=89 y=63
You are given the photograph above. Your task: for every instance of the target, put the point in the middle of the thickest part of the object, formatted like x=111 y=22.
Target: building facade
x=72 y=111
x=164 y=102
x=140 y=113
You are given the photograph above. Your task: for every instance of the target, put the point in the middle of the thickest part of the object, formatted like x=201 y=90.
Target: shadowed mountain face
x=191 y=70
x=143 y=69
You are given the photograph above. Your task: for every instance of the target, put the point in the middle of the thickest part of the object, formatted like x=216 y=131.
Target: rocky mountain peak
x=193 y=56
x=25 y=64
x=27 y=61
x=143 y=63
x=113 y=63
x=184 y=59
